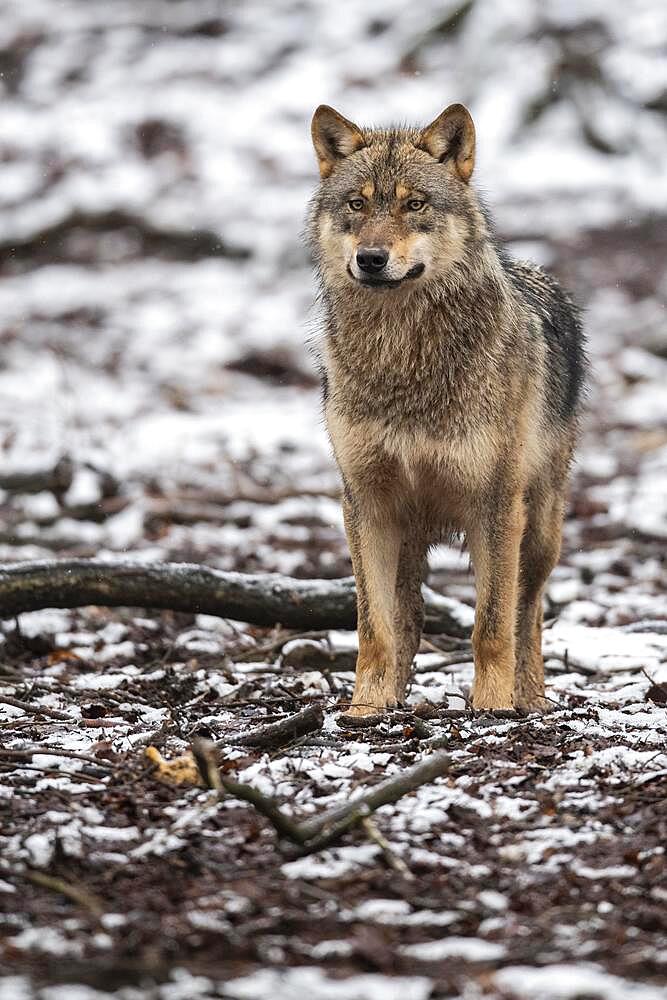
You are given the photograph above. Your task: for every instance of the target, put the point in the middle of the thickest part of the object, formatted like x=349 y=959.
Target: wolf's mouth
x=369 y=282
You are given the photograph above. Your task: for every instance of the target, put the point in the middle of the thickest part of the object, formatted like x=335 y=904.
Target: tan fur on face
x=438 y=250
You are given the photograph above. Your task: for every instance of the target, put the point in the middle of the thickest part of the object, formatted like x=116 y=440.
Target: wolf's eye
x=416 y=204
x=356 y=204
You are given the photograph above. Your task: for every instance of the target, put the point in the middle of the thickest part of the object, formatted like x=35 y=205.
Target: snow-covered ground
x=155 y=303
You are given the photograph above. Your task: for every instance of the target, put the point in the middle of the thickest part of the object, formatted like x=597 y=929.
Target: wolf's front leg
x=540 y=548
x=495 y=541
x=409 y=603
x=374 y=540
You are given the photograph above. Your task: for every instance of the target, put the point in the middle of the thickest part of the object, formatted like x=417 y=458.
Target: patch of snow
x=470 y=949
x=40 y=847
x=313 y=983
x=493 y=900
x=159 y=842
x=604 y=649
x=15 y=988
x=101 y=682
x=331 y=864
x=611 y=872
x=47 y=940
x=47 y=622
x=568 y=982
x=336 y=948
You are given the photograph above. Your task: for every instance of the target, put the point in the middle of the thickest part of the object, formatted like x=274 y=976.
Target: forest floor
x=157 y=403
x=536 y=865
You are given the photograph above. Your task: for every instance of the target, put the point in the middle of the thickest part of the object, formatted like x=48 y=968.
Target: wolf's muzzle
x=372 y=260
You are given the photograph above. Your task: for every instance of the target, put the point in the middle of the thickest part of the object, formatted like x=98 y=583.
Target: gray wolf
x=452 y=380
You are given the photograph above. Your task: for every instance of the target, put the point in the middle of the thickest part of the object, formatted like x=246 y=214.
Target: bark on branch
x=263 y=599
x=56 y=478
x=310 y=836
x=277 y=734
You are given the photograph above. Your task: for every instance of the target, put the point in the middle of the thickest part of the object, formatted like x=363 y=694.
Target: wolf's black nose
x=372 y=259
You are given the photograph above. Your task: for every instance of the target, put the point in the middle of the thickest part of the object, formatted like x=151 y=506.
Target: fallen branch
x=194 y=510
x=55 y=478
x=74 y=892
x=262 y=599
x=205 y=755
x=17 y=756
x=277 y=734
x=315 y=834
x=31 y=709
x=322 y=831
x=393 y=859
x=257 y=652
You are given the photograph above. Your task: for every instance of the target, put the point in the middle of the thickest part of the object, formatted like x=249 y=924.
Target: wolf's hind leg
x=374 y=540
x=409 y=603
x=540 y=548
x=494 y=539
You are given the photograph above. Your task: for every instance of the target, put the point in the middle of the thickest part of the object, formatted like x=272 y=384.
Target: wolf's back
x=561 y=328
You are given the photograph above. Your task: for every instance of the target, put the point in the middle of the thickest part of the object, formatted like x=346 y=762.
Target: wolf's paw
x=365 y=713
x=532 y=704
x=491 y=700
x=366 y=721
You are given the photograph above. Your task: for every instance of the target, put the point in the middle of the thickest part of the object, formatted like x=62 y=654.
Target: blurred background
x=157 y=398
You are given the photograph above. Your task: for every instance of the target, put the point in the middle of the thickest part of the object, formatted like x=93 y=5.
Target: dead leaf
x=60 y=656
x=179 y=771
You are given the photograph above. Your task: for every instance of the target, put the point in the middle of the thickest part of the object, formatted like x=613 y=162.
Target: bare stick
x=322 y=831
x=257 y=652
x=56 y=478
x=277 y=734
x=283 y=825
x=205 y=757
x=262 y=599
x=393 y=859
x=27 y=755
x=73 y=892
x=31 y=708
x=204 y=752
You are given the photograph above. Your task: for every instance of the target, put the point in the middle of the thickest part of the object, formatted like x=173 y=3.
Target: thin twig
x=322 y=830
x=278 y=643
x=31 y=708
x=393 y=859
x=205 y=756
x=27 y=755
x=73 y=892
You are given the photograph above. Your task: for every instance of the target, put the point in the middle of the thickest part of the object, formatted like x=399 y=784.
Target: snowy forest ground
x=157 y=402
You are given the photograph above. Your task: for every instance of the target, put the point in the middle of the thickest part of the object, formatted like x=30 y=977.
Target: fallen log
x=263 y=599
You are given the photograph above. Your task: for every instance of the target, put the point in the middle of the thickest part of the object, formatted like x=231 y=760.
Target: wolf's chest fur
x=416 y=402
x=428 y=385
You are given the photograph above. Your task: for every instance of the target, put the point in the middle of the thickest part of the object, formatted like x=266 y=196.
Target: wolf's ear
x=334 y=138
x=451 y=137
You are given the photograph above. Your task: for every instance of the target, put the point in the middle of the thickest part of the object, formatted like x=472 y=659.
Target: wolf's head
x=394 y=207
